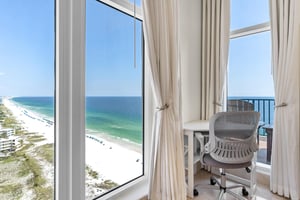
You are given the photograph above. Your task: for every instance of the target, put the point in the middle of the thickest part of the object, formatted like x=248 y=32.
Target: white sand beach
x=112 y=160
x=30 y=121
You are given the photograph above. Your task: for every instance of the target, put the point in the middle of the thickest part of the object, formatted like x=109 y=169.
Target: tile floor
x=262 y=192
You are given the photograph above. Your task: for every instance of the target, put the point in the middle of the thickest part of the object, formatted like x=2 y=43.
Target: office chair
x=231 y=145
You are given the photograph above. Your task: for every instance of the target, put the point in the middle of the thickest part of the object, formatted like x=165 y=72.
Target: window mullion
x=258 y=28
x=70 y=101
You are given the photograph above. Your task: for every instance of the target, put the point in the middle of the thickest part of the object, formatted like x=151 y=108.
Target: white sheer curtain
x=215 y=26
x=162 y=57
x=285 y=161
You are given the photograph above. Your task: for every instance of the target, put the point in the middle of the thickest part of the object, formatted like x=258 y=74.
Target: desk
x=189 y=129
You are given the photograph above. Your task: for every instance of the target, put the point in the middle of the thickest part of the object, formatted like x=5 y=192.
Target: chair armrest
x=201 y=138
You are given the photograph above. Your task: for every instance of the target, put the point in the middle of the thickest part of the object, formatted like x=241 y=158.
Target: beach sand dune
x=109 y=158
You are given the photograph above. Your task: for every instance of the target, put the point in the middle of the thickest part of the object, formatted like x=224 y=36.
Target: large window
x=62 y=137
x=27 y=99
x=114 y=99
x=250 y=82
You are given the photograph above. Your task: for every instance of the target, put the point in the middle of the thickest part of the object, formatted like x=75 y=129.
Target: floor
x=262 y=193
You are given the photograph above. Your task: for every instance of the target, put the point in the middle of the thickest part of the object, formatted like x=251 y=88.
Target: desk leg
x=190 y=164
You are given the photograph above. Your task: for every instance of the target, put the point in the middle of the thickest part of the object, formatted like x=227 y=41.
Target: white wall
x=189 y=19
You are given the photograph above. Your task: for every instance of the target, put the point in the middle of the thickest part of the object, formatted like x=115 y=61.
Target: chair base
x=221 y=185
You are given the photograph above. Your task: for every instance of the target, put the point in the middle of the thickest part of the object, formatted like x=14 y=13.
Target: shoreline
x=100 y=135
x=29 y=120
x=126 y=144
x=104 y=157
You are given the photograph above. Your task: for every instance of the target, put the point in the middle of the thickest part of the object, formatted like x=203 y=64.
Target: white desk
x=189 y=130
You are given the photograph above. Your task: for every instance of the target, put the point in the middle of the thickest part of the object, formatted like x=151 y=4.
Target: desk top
x=197 y=125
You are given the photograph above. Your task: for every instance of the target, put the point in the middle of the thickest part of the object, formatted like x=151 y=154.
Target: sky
x=250 y=56
x=27 y=50
x=110 y=69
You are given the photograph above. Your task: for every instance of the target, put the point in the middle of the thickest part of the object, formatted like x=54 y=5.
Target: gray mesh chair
x=231 y=145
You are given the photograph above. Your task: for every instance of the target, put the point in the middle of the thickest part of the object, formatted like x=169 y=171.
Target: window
x=250 y=82
x=45 y=100
x=27 y=99
x=73 y=90
x=114 y=99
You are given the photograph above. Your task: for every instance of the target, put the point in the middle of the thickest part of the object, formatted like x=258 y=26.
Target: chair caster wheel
x=213 y=181
x=195 y=193
x=245 y=192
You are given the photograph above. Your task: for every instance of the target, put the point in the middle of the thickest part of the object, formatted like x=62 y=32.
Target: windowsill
x=262 y=168
x=263 y=172
x=133 y=190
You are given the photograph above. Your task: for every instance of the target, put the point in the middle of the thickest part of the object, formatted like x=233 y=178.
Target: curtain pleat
x=215 y=26
x=285 y=160
x=160 y=23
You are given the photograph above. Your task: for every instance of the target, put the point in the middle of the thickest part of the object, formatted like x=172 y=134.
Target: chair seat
x=208 y=160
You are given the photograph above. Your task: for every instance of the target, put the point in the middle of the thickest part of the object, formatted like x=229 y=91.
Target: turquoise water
x=42 y=105
x=120 y=117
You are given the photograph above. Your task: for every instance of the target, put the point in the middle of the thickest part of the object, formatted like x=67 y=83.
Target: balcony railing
x=264 y=105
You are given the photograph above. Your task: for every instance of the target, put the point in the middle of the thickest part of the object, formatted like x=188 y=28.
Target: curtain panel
x=160 y=23
x=215 y=26
x=285 y=160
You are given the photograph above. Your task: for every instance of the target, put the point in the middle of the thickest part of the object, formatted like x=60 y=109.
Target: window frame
x=250 y=30
x=70 y=104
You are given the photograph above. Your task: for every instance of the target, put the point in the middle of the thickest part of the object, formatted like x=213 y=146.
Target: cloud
x=2 y=73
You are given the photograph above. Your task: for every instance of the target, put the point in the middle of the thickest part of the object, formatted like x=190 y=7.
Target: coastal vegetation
x=36 y=138
x=107 y=185
x=31 y=165
x=21 y=172
x=8 y=121
x=91 y=172
x=98 y=183
x=46 y=151
x=14 y=190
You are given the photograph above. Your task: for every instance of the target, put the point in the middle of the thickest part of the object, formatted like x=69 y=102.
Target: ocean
x=120 y=117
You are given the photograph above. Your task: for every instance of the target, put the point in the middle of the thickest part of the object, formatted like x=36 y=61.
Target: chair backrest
x=232 y=136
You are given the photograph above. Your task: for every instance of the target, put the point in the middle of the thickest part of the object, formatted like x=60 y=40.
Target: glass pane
x=27 y=103
x=250 y=82
x=246 y=13
x=114 y=103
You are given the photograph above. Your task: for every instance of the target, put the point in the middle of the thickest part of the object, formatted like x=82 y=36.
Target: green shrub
x=107 y=185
